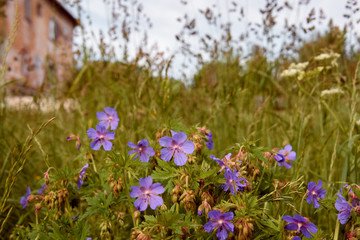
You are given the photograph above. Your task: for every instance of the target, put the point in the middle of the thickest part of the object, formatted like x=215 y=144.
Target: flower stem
x=302 y=201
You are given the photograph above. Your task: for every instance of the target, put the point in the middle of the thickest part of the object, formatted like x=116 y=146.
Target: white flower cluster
x=333 y=91
x=295 y=70
x=326 y=56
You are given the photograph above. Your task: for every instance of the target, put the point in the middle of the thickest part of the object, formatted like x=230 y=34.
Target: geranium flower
x=143 y=151
x=209 y=143
x=177 y=146
x=42 y=189
x=220 y=221
x=233 y=181
x=299 y=223
x=288 y=155
x=147 y=194
x=24 y=200
x=108 y=118
x=101 y=137
x=315 y=193
x=343 y=207
x=81 y=177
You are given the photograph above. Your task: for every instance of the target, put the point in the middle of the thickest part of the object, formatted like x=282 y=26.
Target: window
x=39 y=10
x=28 y=10
x=54 y=30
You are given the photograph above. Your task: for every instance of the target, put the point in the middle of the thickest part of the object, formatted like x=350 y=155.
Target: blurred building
x=42 y=48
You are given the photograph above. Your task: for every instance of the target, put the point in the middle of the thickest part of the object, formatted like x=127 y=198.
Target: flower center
x=220 y=222
x=299 y=226
x=101 y=136
x=140 y=149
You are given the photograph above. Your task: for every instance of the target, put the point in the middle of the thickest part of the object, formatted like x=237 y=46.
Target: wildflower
x=142 y=150
x=25 y=199
x=209 y=143
x=75 y=137
x=81 y=177
x=220 y=221
x=225 y=162
x=325 y=56
x=300 y=223
x=233 y=182
x=147 y=194
x=177 y=146
x=333 y=91
x=101 y=137
x=343 y=207
x=315 y=193
x=287 y=154
x=42 y=189
x=108 y=118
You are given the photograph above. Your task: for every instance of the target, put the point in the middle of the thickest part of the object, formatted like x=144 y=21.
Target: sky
x=163 y=15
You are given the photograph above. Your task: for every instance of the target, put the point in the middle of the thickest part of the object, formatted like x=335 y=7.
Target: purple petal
x=166 y=154
x=166 y=141
x=157 y=188
x=305 y=232
x=311 y=186
x=172 y=133
x=110 y=111
x=80 y=183
x=309 y=198
x=146 y=182
x=291 y=227
x=179 y=137
x=221 y=233
x=95 y=145
x=143 y=143
x=215 y=215
x=228 y=216
x=28 y=191
x=288 y=148
x=287 y=165
x=229 y=226
x=110 y=135
x=291 y=156
x=144 y=157
x=132 y=151
x=180 y=158
x=321 y=193
x=135 y=192
x=92 y=133
x=101 y=116
x=150 y=151
x=114 y=124
x=311 y=227
x=319 y=185
x=107 y=145
x=288 y=219
x=132 y=145
x=188 y=147
x=209 y=226
x=316 y=203
x=343 y=217
x=141 y=203
x=105 y=124
x=100 y=128
x=228 y=156
x=155 y=201
x=296 y=238
x=299 y=218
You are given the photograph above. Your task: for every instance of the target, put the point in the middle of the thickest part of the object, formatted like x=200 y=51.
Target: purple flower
x=25 y=199
x=101 y=137
x=147 y=194
x=142 y=150
x=108 y=118
x=299 y=223
x=233 y=181
x=209 y=143
x=75 y=217
x=177 y=146
x=81 y=177
x=315 y=193
x=296 y=238
x=287 y=154
x=220 y=221
x=343 y=207
x=42 y=189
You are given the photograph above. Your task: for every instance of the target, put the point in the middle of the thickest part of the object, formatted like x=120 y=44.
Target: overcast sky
x=163 y=15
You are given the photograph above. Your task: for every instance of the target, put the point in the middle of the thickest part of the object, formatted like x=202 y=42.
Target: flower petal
x=311 y=186
x=209 y=226
x=100 y=128
x=146 y=182
x=319 y=185
x=179 y=137
x=311 y=227
x=132 y=145
x=166 y=154
x=188 y=147
x=157 y=188
x=166 y=141
x=135 y=192
x=291 y=227
x=299 y=218
x=288 y=219
x=288 y=148
x=180 y=158
x=291 y=156
x=172 y=133
x=96 y=144
x=214 y=215
x=143 y=143
x=305 y=232
x=110 y=111
x=107 y=145
x=114 y=124
x=92 y=133
x=110 y=135
x=150 y=151
x=141 y=203
x=229 y=226
x=101 y=116
x=228 y=216
x=221 y=233
x=155 y=201
x=144 y=157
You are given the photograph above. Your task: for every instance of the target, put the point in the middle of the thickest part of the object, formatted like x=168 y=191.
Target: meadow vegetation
x=307 y=97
